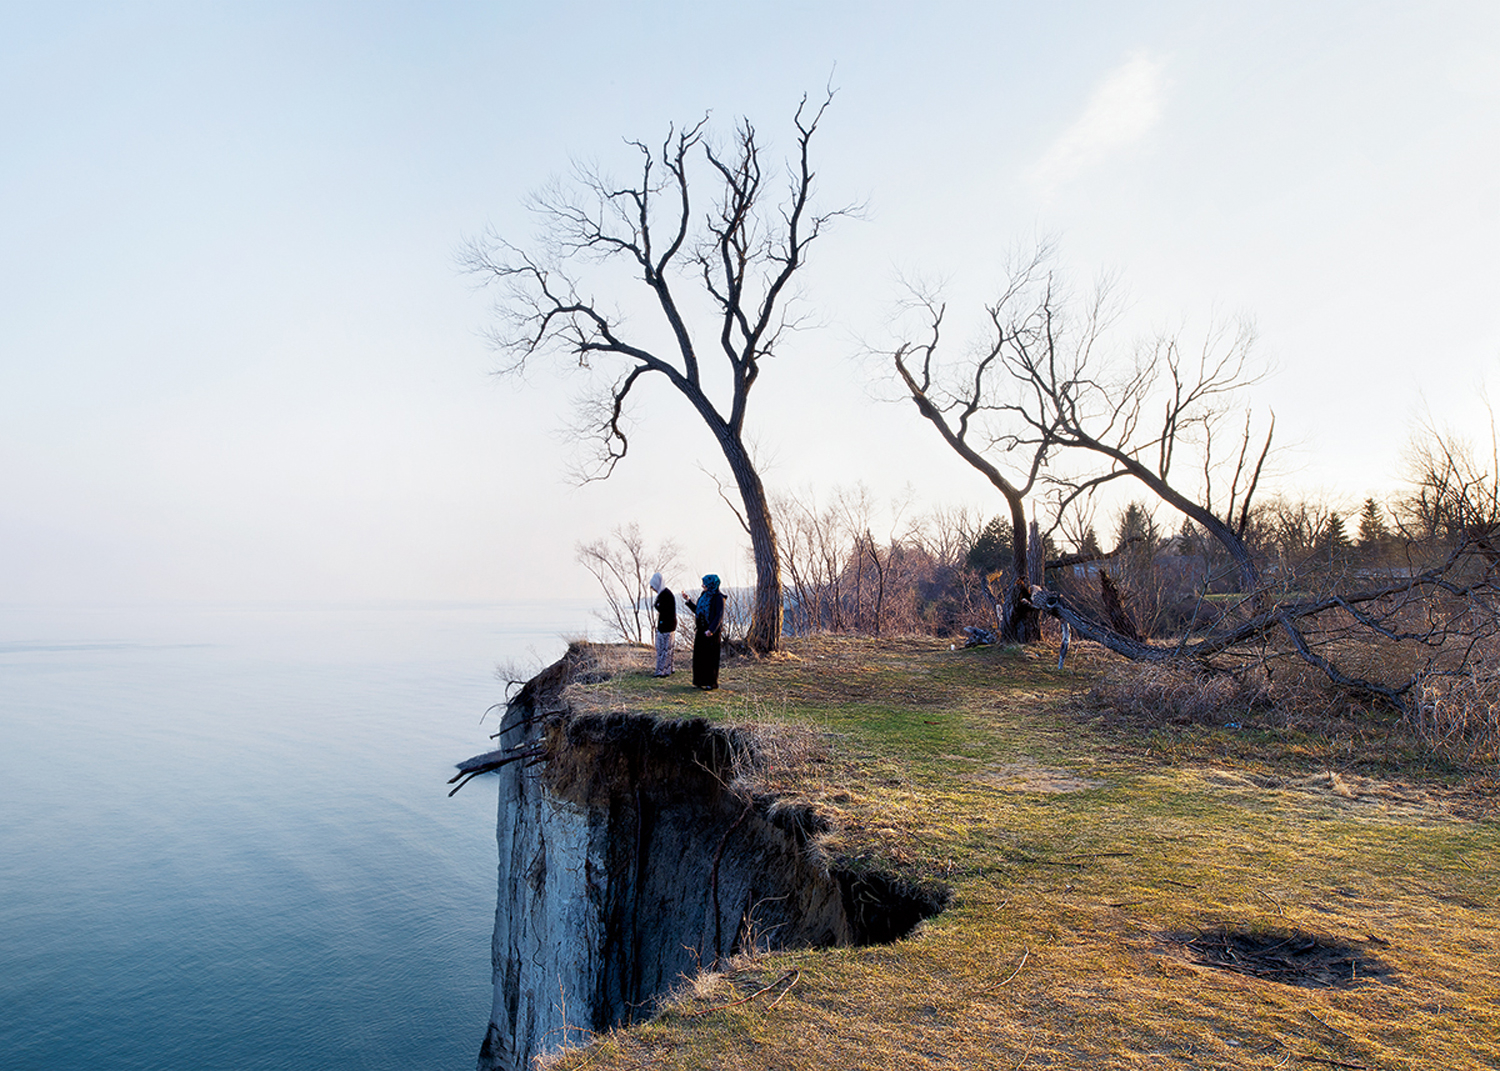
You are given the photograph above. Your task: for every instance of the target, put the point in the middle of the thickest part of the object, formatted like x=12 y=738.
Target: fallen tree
x=1448 y=616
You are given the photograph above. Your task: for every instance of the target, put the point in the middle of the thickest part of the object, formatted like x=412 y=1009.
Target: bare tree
x=1414 y=639
x=842 y=578
x=963 y=403
x=1455 y=494
x=945 y=533
x=815 y=545
x=1377 y=641
x=739 y=255
x=1035 y=387
x=1158 y=420
x=1167 y=409
x=623 y=566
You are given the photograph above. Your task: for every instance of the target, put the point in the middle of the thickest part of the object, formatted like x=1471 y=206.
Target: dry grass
x=1150 y=695
x=1081 y=851
x=1459 y=714
x=1454 y=722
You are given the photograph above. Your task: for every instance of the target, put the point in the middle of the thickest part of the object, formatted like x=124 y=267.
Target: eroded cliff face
x=628 y=861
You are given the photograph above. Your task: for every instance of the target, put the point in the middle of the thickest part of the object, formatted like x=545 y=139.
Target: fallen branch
x=1284 y=617
x=1025 y=955
x=1272 y=901
x=1030 y=1044
x=784 y=992
x=1046 y=862
x=493 y=760
x=525 y=719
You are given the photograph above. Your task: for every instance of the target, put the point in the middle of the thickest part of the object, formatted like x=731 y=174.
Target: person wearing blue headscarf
x=708 y=637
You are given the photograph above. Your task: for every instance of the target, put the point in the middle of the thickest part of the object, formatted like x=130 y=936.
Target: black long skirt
x=706 y=660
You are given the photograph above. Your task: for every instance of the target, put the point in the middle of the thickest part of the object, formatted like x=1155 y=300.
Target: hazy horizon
x=238 y=360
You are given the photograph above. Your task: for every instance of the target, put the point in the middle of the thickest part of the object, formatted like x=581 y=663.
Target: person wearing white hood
x=666 y=625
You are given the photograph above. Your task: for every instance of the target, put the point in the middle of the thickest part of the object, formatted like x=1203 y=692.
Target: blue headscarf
x=710 y=588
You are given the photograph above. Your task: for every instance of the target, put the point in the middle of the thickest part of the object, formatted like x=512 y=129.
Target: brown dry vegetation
x=1106 y=836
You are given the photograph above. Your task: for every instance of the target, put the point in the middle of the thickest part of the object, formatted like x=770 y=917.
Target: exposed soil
x=1287 y=957
x=884 y=907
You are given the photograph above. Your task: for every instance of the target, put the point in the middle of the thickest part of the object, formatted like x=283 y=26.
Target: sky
x=239 y=360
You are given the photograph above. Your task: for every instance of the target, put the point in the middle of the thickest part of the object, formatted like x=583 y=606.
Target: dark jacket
x=666 y=611
x=715 y=617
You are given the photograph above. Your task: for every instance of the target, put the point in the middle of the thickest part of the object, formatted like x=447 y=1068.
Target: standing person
x=708 y=625
x=666 y=625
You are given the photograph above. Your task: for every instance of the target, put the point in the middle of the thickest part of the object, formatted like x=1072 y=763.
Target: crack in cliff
x=631 y=859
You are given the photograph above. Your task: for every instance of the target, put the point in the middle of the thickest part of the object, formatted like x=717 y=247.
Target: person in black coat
x=708 y=628
x=666 y=625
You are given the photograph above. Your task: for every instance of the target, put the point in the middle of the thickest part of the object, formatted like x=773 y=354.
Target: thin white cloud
x=1127 y=104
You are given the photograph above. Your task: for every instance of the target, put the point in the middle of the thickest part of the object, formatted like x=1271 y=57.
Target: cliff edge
x=629 y=859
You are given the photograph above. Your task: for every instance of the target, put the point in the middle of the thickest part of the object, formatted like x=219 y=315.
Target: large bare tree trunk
x=765 y=617
x=1019 y=620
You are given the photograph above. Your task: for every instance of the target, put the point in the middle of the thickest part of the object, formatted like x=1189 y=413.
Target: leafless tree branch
x=743 y=251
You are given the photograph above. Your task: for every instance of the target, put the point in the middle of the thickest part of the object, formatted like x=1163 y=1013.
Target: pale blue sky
x=237 y=360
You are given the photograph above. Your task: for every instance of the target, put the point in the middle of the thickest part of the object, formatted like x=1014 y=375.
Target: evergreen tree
x=1372 y=530
x=1188 y=540
x=1335 y=540
x=991 y=550
x=1137 y=526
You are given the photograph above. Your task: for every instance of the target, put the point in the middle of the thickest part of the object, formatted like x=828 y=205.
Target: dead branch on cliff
x=491 y=761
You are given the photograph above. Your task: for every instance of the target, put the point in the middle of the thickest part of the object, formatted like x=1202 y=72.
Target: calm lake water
x=226 y=840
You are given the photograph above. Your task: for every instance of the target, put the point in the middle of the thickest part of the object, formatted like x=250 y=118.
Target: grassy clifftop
x=1233 y=891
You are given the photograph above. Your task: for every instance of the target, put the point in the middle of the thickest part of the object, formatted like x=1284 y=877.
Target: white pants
x=663 y=653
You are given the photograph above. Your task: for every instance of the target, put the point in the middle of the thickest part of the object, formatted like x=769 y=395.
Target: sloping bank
x=631 y=858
